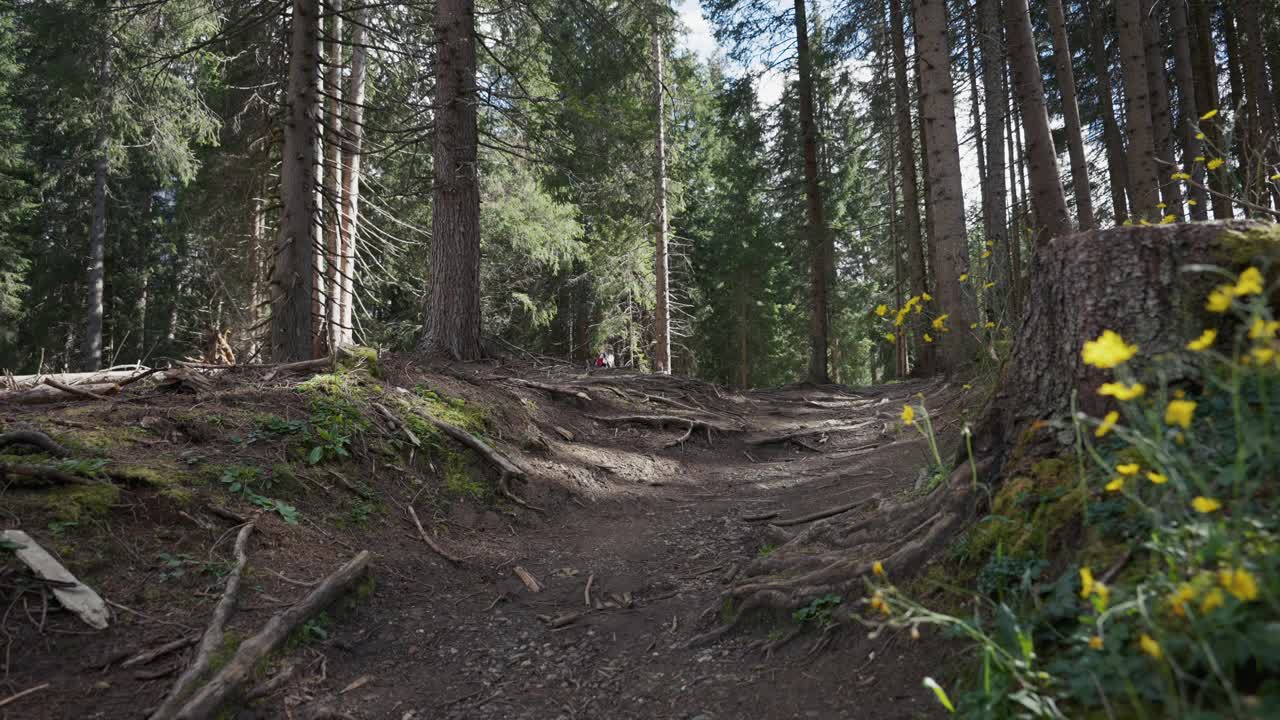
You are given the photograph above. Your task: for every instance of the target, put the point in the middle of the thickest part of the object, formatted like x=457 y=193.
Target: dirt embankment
x=629 y=503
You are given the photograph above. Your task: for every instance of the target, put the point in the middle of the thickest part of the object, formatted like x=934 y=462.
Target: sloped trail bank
x=652 y=494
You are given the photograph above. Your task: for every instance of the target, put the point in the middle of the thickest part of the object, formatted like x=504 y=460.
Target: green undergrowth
x=1138 y=576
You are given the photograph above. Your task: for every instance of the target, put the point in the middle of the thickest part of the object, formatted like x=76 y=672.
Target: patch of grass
x=76 y=503
x=336 y=402
x=460 y=482
x=454 y=411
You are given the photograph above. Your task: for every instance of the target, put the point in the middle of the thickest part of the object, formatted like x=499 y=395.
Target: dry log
x=147 y=656
x=82 y=392
x=96 y=377
x=213 y=635
x=301 y=366
x=34 y=438
x=432 y=543
x=230 y=680
x=49 y=394
x=553 y=389
x=78 y=597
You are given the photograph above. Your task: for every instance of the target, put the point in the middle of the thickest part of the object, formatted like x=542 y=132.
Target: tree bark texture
x=1188 y=117
x=1161 y=118
x=662 y=305
x=453 y=304
x=1047 y=200
x=1144 y=180
x=820 y=252
x=1205 y=77
x=1260 y=108
x=1071 y=114
x=994 y=203
x=938 y=111
x=293 y=276
x=91 y=348
x=332 y=191
x=352 y=140
x=906 y=144
x=1112 y=138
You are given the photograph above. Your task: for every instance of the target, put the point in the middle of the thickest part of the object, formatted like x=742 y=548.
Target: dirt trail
x=656 y=530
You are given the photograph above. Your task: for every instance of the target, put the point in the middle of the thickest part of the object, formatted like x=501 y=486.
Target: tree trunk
x=1144 y=180
x=990 y=30
x=453 y=305
x=906 y=145
x=1187 y=115
x=1205 y=76
x=972 y=67
x=1157 y=83
x=662 y=306
x=293 y=276
x=332 y=192
x=1046 y=184
x=1259 y=111
x=1117 y=165
x=819 y=251
x=937 y=104
x=1071 y=113
x=1235 y=78
x=1015 y=228
x=91 y=349
x=352 y=138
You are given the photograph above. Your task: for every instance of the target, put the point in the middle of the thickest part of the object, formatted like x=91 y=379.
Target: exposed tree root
x=564 y=390
x=875 y=499
x=213 y=634
x=680 y=441
x=46 y=473
x=231 y=679
x=806 y=432
x=432 y=543
x=661 y=421
x=506 y=467
x=34 y=438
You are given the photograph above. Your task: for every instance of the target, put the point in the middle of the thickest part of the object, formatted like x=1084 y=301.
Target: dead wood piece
x=662 y=421
x=353 y=488
x=586 y=592
x=528 y=579
x=761 y=516
x=568 y=436
x=143 y=658
x=567 y=618
x=213 y=634
x=298 y=367
x=226 y=514
x=184 y=380
x=45 y=393
x=565 y=390
x=267 y=687
x=95 y=377
x=70 y=592
x=826 y=513
x=44 y=472
x=432 y=543
x=680 y=441
x=17 y=696
x=35 y=438
x=87 y=394
x=230 y=680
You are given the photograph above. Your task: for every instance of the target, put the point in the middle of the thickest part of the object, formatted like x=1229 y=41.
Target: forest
x=892 y=358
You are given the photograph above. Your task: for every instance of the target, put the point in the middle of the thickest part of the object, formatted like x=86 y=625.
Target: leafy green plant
x=818 y=611
x=249 y=483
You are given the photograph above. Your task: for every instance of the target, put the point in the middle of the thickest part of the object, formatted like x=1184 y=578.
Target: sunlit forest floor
x=629 y=529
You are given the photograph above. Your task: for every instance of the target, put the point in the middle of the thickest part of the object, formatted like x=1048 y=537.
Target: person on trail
x=600 y=360
x=608 y=358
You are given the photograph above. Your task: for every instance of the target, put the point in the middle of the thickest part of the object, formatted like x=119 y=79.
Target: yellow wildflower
x=1205 y=505
x=1104 y=595
x=1108 y=351
x=988 y=286
x=1122 y=392
x=988 y=325
x=1261 y=328
x=1215 y=163
x=1161 y=205
x=1212 y=601
x=1116 y=485
x=1180 y=412
x=877 y=568
x=1262 y=355
x=964 y=277
x=1199 y=158
x=1127 y=222
x=973 y=326
x=908 y=415
x=928 y=338
x=1179 y=393
x=1239 y=582
x=926 y=297
x=1144 y=221
x=1157 y=478
x=1210 y=115
x=878 y=603
x=882 y=310
x=919 y=309
x=986 y=254
x=1200 y=136
x=1249 y=282
x=1128 y=469
x=1108 y=422
x=1204 y=342
x=1275 y=177
x=939 y=323
x=1168 y=219
x=1192 y=202
x=1180 y=176
x=1220 y=299
x=891 y=337
x=1178 y=600
x=1150 y=646
x=1086 y=582
x=1095 y=642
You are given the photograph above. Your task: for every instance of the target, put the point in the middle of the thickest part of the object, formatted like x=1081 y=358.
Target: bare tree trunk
x=937 y=104
x=1260 y=109
x=1187 y=115
x=1071 y=113
x=975 y=112
x=906 y=145
x=994 y=197
x=1236 y=83
x=1157 y=83
x=293 y=277
x=1014 y=289
x=332 y=192
x=1046 y=184
x=253 y=270
x=662 y=306
x=1113 y=140
x=91 y=348
x=1144 y=181
x=352 y=138
x=1205 y=76
x=819 y=242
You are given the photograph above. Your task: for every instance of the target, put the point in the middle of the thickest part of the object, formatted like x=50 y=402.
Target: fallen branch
x=278 y=681
x=680 y=441
x=826 y=513
x=586 y=592
x=506 y=467
x=528 y=579
x=44 y=472
x=213 y=635
x=300 y=366
x=143 y=658
x=761 y=517
x=432 y=543
x=232 y=677
x=46 y=393
x=34 y=438
x=553 y=389
x=23 y=694
x=87 y=394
